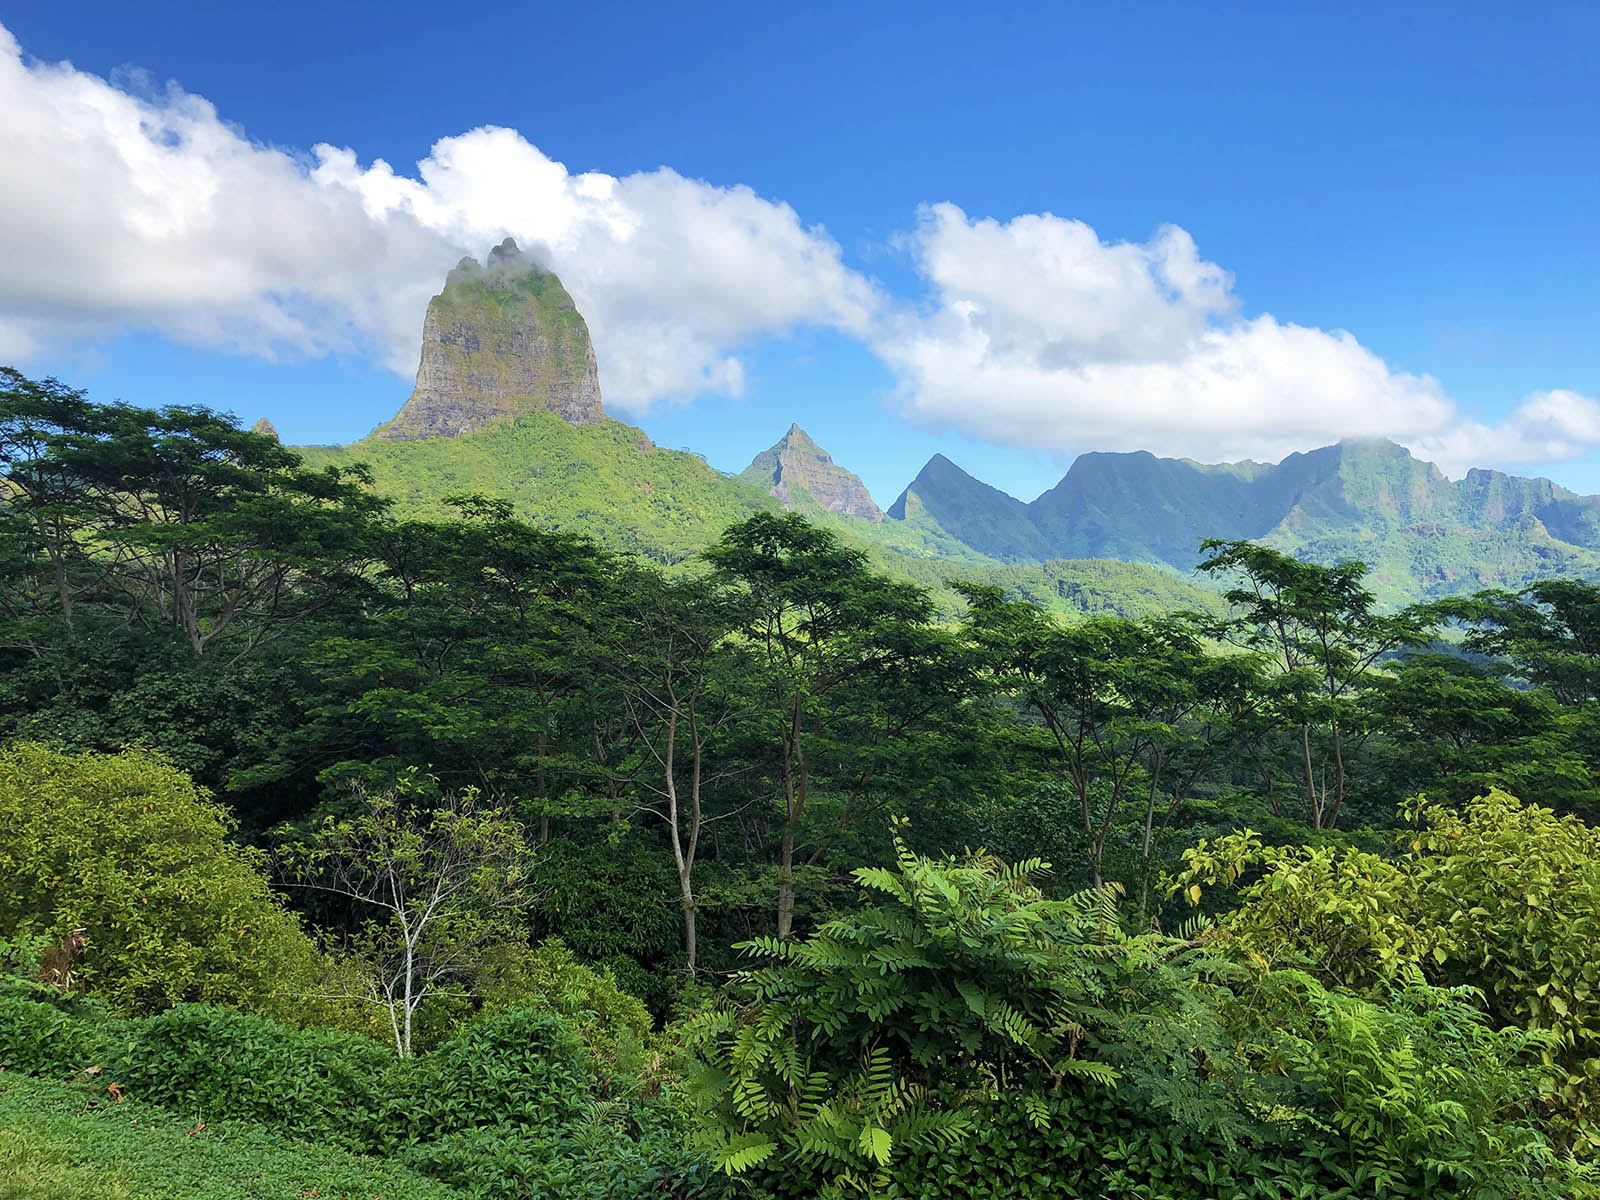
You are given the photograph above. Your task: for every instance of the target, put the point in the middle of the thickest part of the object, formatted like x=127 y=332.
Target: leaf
x=875 y=1143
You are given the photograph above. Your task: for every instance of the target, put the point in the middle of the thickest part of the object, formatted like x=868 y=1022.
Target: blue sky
x=1424 y=177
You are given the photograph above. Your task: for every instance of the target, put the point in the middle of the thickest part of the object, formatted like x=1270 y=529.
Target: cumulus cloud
x=141 y=208
x=1547 y=427
x=671 y=272
x=1039 y=334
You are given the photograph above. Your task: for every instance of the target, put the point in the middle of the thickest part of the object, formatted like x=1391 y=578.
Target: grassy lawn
x=61 y=1142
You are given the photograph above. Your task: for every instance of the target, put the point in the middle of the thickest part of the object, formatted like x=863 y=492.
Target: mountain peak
x=803 y=475
x=501 y=339
x=265 y=428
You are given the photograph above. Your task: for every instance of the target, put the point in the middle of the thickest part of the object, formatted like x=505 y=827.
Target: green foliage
x=1133 y=713
x=430 y=879
x=1348 y=916
x=1418 y=1083
x=1500 y=896
x=962 y=983
x=65 y=1142
x=127 y=849
x=55 y=1040
x=205 y=1062
x=1547 y=632
x=612 y=1023
x=1516 y=891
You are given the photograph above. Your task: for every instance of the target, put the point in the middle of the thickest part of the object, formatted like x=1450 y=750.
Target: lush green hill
x=611 y=482
x=1423 y=534
x=945 y=499
x=607 y=480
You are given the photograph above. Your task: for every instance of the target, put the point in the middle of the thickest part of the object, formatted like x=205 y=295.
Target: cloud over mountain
x=1037 y=333
x=140 y=208
x=136 y=207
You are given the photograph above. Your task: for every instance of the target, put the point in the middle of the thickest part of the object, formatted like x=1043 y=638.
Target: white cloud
x=122 y=210
x=1037 y=334
x=140 y=208
x=1547 y=427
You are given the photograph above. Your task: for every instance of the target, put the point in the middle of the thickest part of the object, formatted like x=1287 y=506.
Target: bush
x=611 y=1022
x=520 y=1071
x=52 y=1040
x=129 y=850
x=207 y=1063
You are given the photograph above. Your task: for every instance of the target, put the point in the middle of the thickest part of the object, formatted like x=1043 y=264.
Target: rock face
x=802 y=475
x=265 y=428
x=501 y=339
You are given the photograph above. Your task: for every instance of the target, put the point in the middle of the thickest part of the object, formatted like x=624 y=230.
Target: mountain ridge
x=507 y=402
x=804 y=477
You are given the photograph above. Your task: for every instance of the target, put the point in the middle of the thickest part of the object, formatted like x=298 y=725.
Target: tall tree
x=176 y=517
x=1133 y=712
x=1322 y=628
x=683 y=685
x=478 y=650
x=851 y=671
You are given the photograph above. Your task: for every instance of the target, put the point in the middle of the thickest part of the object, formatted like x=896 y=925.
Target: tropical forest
x=365 y=853
x=898 y=601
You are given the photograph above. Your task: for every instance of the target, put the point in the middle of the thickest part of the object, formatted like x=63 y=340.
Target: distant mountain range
x=508 y=402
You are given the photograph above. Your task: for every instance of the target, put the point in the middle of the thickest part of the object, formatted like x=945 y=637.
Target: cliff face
x=501 y=339
x=802 y=474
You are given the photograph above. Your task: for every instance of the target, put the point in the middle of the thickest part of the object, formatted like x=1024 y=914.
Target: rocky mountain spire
x=801 y=474
x=265 y=428
x=502 y=339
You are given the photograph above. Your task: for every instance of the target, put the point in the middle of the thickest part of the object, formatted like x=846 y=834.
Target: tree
x=478 y=655
x=1549 y=634
x=681 y=681
x=1322 y=628
x=1126 y=707
x=436 y=874
x=175 y=517
x=1455 y=729
x=125 y=848
x=851 y=671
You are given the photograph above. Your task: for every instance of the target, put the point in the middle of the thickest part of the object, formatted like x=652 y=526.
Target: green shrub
x=594 y=1158
x=129 y=850
x=610 y=1021
x=206 y=1063
x=48 y=1039
x=520 y=1071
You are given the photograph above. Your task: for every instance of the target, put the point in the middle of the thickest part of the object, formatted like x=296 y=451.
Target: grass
x=68 y=1142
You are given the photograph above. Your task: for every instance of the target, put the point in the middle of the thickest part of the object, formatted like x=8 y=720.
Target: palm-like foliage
x=962 y=981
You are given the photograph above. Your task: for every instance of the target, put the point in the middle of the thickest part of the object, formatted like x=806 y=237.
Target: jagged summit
x=802 y=474
x=503 y=338
x=265 y=428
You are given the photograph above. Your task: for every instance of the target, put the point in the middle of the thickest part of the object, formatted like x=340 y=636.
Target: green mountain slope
x=1423 y=534
x=611 y=482
x=944 y=498
x=608 y=481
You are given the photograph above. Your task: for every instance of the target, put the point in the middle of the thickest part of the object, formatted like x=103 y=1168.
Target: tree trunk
x=786 y=883
x=405 y=1048
x=1311 y=778
x=1338 y=762
x=690 y=945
